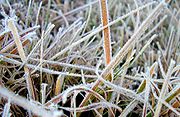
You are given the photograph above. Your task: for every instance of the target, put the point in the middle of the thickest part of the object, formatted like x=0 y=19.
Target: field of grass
x=90 y=58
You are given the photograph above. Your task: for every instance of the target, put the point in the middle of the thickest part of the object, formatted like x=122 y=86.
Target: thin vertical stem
x=106 y=31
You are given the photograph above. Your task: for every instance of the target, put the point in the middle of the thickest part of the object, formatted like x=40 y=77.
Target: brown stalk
x=124 y=50
x=106 y=31
x=106 y=38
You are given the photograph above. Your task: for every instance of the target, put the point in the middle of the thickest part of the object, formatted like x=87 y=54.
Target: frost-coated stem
x=14 y=31
x=106 y=31
x=26 y=104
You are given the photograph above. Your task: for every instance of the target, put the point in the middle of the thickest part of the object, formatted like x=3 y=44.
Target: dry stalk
x=19 y=45
x=106 y=31
x=106 y=34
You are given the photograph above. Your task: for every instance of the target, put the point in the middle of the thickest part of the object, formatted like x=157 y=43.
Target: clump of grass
x=54 y=60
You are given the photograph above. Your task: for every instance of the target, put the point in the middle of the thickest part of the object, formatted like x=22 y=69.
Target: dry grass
x=90 y=58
